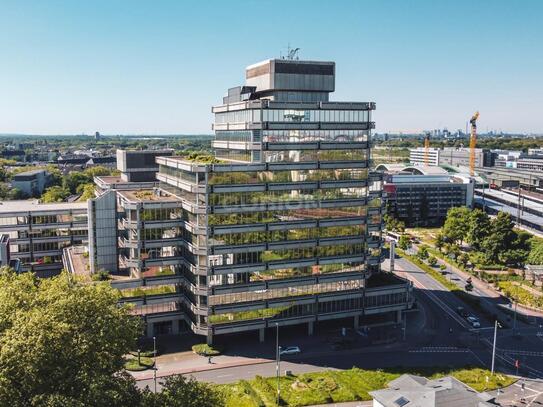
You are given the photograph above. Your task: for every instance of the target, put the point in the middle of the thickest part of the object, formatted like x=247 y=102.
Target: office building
x=39 y=232
x=284 y=225
x=421 y=196
x=31 y=183
x=455 y=157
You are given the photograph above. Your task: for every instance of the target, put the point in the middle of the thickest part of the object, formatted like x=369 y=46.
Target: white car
x=474 y=322
x=291 y=350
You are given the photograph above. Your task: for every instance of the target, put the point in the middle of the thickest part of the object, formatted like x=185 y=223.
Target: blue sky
x=150 y=67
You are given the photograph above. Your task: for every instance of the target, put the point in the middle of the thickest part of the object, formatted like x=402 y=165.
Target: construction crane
x=472 y=143
x=426 y=149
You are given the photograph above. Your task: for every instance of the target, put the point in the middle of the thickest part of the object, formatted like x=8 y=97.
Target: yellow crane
x=473 y=143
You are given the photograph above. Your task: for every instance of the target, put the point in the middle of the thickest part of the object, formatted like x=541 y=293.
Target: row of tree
x=493 y=241
x=62 y=343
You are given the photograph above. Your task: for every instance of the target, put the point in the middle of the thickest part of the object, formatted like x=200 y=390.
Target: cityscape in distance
x=337 y=204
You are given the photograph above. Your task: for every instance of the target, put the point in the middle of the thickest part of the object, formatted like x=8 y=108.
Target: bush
x=206 y=350
x=101 y=275
x=432 y=261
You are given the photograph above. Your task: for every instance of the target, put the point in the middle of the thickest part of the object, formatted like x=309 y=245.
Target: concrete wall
x=103 y=232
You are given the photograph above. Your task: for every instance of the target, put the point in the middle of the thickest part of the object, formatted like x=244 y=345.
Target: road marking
x=224 y=375
x=434 y=298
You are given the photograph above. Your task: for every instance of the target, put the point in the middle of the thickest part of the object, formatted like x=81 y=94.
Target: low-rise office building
x=422 y=196
x=452 y=156
x=38 y=233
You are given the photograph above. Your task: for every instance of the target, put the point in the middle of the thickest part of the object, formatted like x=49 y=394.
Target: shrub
x=432 y=261
x=206 y=350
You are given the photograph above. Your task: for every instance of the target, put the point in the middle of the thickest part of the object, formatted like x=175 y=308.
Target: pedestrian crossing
x=439 y=349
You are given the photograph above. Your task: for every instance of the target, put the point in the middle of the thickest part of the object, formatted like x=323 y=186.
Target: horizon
x=135 y=68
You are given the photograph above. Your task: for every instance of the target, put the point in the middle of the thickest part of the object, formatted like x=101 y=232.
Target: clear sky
x=149 y=67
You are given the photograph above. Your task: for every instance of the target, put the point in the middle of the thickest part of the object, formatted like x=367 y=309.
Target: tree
x=404 y=242
x=439 y=241
x=423 y=252
x=478 y=228
x=86 y=191
x=55 y=194
x=62 y=343
x=432 y=261
x=179 y=391
x=456 y=225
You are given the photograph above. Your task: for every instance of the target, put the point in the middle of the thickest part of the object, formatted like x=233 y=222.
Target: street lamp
x=154 y=361
x=278 y=361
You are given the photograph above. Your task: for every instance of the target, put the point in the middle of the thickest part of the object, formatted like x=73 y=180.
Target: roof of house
x=28 y=173
x=416 y=391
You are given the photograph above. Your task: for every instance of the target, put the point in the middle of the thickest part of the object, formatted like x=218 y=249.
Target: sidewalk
x=188 y=362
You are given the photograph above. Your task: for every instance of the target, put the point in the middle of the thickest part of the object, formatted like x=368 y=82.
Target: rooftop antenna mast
x=292 y=53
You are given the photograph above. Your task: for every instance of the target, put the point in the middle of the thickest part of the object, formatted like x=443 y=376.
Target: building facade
x=31 y=183
x=455 y=157
x=284 y=225
x=38 y=233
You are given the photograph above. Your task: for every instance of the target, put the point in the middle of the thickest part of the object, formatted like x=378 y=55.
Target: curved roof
x=412 y=169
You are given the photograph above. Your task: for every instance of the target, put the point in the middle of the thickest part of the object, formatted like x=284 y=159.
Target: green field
x=341 y=386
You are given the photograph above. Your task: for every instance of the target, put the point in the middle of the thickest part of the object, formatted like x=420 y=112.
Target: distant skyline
x=135 y=67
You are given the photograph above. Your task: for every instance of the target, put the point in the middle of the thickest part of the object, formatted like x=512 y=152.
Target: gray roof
x=416 y=391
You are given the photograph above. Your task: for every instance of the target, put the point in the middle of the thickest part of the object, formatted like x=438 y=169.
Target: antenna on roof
x=292 y=53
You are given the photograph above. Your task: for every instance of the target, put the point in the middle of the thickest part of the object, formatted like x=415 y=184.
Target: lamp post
x=154 y=362
x=494 y=346
x=278 y=361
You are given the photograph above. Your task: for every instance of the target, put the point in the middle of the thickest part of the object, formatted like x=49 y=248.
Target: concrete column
x=209 y=339
x=261 y=333
x=356 y=321
x=398 y=316
x=310 y=328
x=175 y=327
x=150 y=330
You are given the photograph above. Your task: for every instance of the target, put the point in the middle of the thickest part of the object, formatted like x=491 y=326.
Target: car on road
x=291 y=350
x=462 y=312
x=474 y=322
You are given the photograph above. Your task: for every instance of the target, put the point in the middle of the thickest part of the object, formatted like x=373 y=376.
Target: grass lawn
x=133 y=365
x=520 y=294
x=341 y=386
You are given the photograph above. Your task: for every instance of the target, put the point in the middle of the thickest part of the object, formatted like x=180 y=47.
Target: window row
x=293 y=115
x=315 y=155
x=287 y=254
x=301 y=136
x=245 y=198
x=285 y=235
x=259 y=177
x=286 y=215
x=260 y=295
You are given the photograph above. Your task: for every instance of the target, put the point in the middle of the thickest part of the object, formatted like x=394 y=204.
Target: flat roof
x=35 y=205
x=148 y=195
x=31 y=172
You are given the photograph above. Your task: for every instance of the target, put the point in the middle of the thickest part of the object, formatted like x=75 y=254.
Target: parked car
x=291 y=350
x=474 y=322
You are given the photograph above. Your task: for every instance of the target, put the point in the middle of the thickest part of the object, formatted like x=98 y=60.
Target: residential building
x=39 y=232
x=31 y=183
x=410 y=390
x=451 y=156
x=422 y=196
